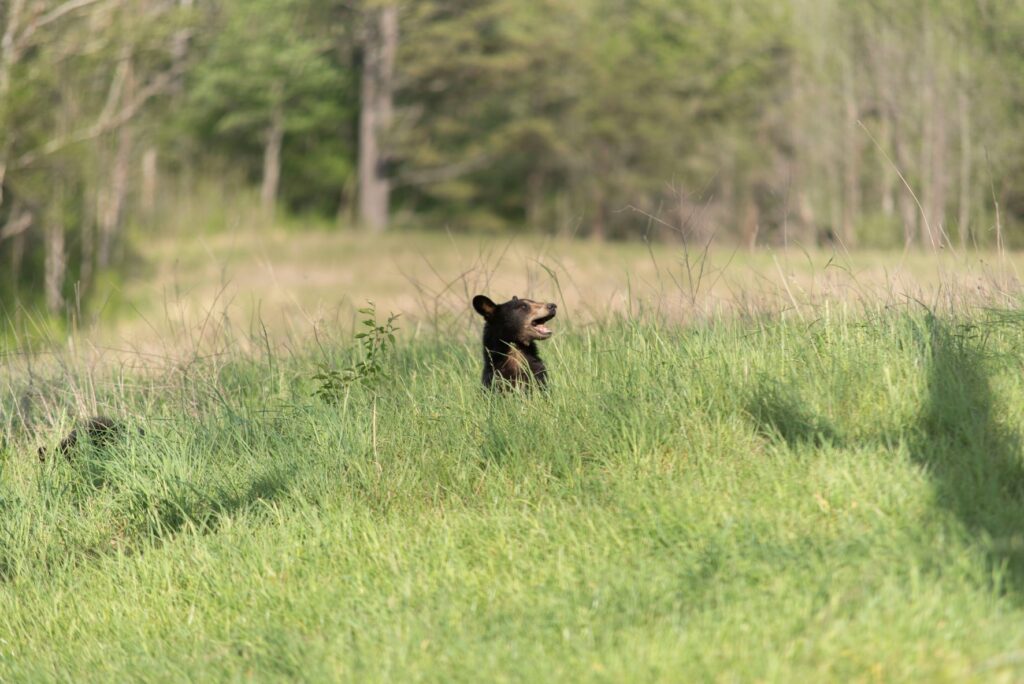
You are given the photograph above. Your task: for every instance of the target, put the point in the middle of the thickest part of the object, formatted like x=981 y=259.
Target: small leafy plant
x=377 y=340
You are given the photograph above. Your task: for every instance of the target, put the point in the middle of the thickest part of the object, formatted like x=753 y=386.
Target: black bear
x=511 y=331
x=100 y=430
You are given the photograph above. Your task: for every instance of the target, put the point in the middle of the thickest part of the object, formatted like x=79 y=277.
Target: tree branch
x=17 y=225
x=53 y=15
x=116 y=87
x=104 y=124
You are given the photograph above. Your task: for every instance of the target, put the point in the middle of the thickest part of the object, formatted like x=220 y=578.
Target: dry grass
x=294 y=281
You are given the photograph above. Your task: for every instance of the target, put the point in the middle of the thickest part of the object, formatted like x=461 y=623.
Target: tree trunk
x=963 y=107
x=8 y=58
x=87 y=243
x=851 y=159
x=17 y=259
x=18 y=223
x=272 y=160
x=55 y=264
x=939 y=174
x=927 y=150
x=380 y=45
x=834 y=182
x=909 y=214
x=111 y=216
x=805 y=215
x=150 y=170
x=886 y=83
x=888 y=179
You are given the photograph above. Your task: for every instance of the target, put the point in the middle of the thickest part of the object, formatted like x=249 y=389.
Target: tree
x=509 y=106
x=67 y=86
x=266 y=74
x=379 y=47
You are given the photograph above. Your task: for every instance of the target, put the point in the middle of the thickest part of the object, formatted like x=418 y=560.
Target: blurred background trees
x=886 y=123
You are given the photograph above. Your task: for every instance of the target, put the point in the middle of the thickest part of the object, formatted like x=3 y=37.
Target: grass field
x=827 y=488
x=295 y=281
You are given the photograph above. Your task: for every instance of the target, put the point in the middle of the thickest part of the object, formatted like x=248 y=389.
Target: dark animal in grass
x=100 y=431
x=511 y=332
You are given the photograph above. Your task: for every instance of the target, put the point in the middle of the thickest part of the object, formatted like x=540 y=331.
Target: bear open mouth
x=538 y=325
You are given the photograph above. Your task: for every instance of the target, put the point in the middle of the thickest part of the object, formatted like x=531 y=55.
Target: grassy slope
x=833 y=497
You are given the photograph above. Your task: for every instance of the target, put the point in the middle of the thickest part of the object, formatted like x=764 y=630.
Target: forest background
x=882 y=124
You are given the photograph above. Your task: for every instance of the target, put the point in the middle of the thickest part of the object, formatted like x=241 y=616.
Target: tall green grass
x=835 y=496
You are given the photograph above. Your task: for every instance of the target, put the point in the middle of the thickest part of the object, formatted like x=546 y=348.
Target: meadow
x=777 y=466
x=292 y=280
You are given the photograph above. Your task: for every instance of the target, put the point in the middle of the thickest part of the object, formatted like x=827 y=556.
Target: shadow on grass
x=160 y=498
x=147 y=509
x=780 y=413
x=174 y=505
x=973 y=459
x=154 y=502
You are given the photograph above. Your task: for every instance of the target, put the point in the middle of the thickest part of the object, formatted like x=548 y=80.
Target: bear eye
x=523 y=305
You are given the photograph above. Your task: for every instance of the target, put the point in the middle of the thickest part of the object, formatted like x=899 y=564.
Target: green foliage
x=267 y=56
x=377 y=340
x=586 y=101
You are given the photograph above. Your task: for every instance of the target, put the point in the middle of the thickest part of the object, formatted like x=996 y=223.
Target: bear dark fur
x=511 y=332
x=100 y=431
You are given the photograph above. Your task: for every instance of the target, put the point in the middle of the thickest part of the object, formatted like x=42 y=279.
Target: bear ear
x=515 y=299
x=483 y=305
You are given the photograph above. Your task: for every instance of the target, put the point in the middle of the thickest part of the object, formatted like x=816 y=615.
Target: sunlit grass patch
x=826 y=497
